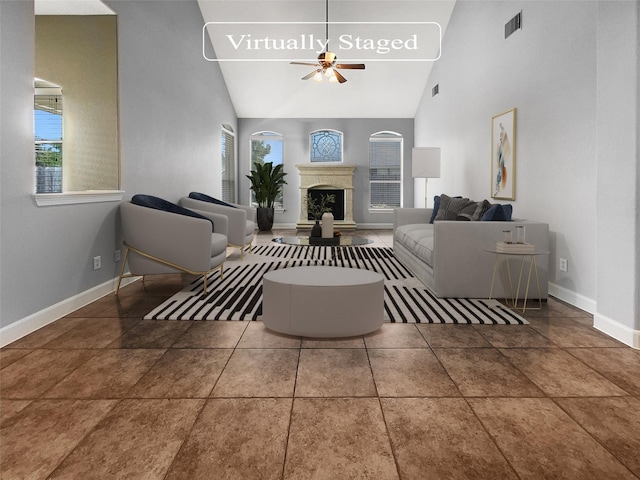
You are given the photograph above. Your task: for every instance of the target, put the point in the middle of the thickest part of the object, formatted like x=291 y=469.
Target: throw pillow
x=158 y=203
x=436 y=206
x=450 y=207
x=468 y=211
x=498 y=213
x=481 y=209
x=206 y=198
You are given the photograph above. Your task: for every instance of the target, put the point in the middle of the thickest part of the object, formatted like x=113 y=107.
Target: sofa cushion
x=451 y=206
x=498 y=213
x=158 y=203
x=206 y=198
x=417 y=238
x=218 y=244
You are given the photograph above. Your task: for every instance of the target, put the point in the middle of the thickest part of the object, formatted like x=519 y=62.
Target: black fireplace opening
x=337 y=208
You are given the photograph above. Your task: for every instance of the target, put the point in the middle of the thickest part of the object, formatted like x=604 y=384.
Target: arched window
x=326 y=146
x=385 y=170
x=267 y=147
x=228 y=156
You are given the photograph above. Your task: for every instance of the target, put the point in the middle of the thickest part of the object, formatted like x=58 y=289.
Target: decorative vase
x=327 y=225
x=520 y=236
x=265 y=219
x=316 y=230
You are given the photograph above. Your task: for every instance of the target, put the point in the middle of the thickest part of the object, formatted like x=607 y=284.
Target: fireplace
x=337 y=208
x=323 y=179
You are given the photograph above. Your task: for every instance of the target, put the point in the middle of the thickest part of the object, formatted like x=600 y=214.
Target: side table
x=533 y=268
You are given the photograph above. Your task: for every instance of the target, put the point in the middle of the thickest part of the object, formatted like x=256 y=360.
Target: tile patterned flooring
x=104 y=394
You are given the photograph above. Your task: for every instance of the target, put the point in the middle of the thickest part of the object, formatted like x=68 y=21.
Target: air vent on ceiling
x=435 y=90
x=512 y=25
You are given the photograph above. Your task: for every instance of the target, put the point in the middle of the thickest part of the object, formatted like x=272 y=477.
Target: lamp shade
x=425 y=162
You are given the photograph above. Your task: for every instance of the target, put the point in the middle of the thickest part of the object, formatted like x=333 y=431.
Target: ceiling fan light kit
x=327 y=65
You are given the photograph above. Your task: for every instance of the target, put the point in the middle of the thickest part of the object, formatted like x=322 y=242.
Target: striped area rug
x=238 y=296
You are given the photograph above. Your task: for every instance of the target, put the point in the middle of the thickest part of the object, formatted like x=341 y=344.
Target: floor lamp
x=425 y=163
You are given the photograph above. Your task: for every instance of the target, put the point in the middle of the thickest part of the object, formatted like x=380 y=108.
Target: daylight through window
x=385 y=170
x=267 y=147
x=47 y=122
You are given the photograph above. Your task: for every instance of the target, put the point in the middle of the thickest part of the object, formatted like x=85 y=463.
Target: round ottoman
x=323 y=302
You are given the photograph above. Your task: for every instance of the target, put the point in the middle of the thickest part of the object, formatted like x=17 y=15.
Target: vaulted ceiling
x=387 y=88
x=262 y=82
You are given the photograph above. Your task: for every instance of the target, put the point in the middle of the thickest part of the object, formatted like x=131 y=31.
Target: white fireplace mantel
x=334 y=177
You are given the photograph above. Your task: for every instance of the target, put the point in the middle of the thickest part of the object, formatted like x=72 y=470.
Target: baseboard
x=606 y=325
x=33 y=322
x=569 y=296
x=615 y=329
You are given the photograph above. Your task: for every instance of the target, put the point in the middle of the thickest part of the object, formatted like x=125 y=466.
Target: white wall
x=172 y=105
x=548 y=71
x=618 y=235
x=356 y=152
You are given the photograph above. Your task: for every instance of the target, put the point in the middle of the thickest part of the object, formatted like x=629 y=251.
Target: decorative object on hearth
x=503 y=155
x=317 y=209
x=266 y=182
x=327 y=225
x=425 y=163
x=316 y=230
x=327 y=66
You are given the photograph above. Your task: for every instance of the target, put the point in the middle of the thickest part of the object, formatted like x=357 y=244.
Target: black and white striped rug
x=238 y=295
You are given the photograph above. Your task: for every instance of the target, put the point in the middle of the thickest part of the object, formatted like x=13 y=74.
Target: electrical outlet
x=97 y=262
x=564 y=265
x=116 y=256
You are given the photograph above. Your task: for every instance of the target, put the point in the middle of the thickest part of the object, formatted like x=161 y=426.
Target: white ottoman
x=324 y=302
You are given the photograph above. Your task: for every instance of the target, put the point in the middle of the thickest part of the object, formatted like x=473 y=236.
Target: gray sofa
x=450 y=256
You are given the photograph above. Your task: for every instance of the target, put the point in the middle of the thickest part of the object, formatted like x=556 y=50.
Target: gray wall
x=356 y=152
x=172 y=104
x=571 y=72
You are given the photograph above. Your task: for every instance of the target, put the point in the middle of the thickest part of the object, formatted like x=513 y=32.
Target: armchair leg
x=124 y=263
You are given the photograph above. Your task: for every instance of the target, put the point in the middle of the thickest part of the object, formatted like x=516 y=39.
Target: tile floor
x=104 y=394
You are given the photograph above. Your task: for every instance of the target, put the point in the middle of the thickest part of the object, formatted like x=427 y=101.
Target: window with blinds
x=228 y=150
x=385 y=170
x=268 y=147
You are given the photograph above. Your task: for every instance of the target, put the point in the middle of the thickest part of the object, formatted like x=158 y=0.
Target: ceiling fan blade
x=307 y=77
x=340 y=78
x=352 y=66
x=303 y=63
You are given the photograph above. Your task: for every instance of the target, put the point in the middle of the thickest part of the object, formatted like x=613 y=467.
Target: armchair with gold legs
x=161 y=237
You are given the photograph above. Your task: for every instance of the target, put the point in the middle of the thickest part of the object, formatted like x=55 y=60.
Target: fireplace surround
x=327 y=177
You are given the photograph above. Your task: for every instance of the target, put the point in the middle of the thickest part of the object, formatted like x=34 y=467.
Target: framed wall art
x=503 y=155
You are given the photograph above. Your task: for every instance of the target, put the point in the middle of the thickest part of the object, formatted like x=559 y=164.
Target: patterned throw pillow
x=450 y=207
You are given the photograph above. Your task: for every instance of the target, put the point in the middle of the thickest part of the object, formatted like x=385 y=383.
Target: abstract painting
x=503 y=155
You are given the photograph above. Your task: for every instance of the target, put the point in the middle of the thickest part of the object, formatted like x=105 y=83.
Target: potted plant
x=266 y=182
x=316 y=209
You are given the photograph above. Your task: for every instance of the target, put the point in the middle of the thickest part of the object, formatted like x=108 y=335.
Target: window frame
x=278 y=205
x=227 y=133
x=386 y=136
x=311 y=144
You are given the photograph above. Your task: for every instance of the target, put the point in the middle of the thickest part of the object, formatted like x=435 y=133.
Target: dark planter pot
x=265 y=219
x=316 y=230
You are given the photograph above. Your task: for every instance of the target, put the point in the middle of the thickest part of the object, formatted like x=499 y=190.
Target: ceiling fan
x=326 y=64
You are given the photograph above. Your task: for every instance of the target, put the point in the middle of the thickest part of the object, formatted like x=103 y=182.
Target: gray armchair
x=242 y=219
x=162 y=238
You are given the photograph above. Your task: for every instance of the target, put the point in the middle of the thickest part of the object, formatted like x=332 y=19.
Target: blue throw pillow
x=498 y=213
x=206 y=198
x=158 y=203
x=436 y=206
